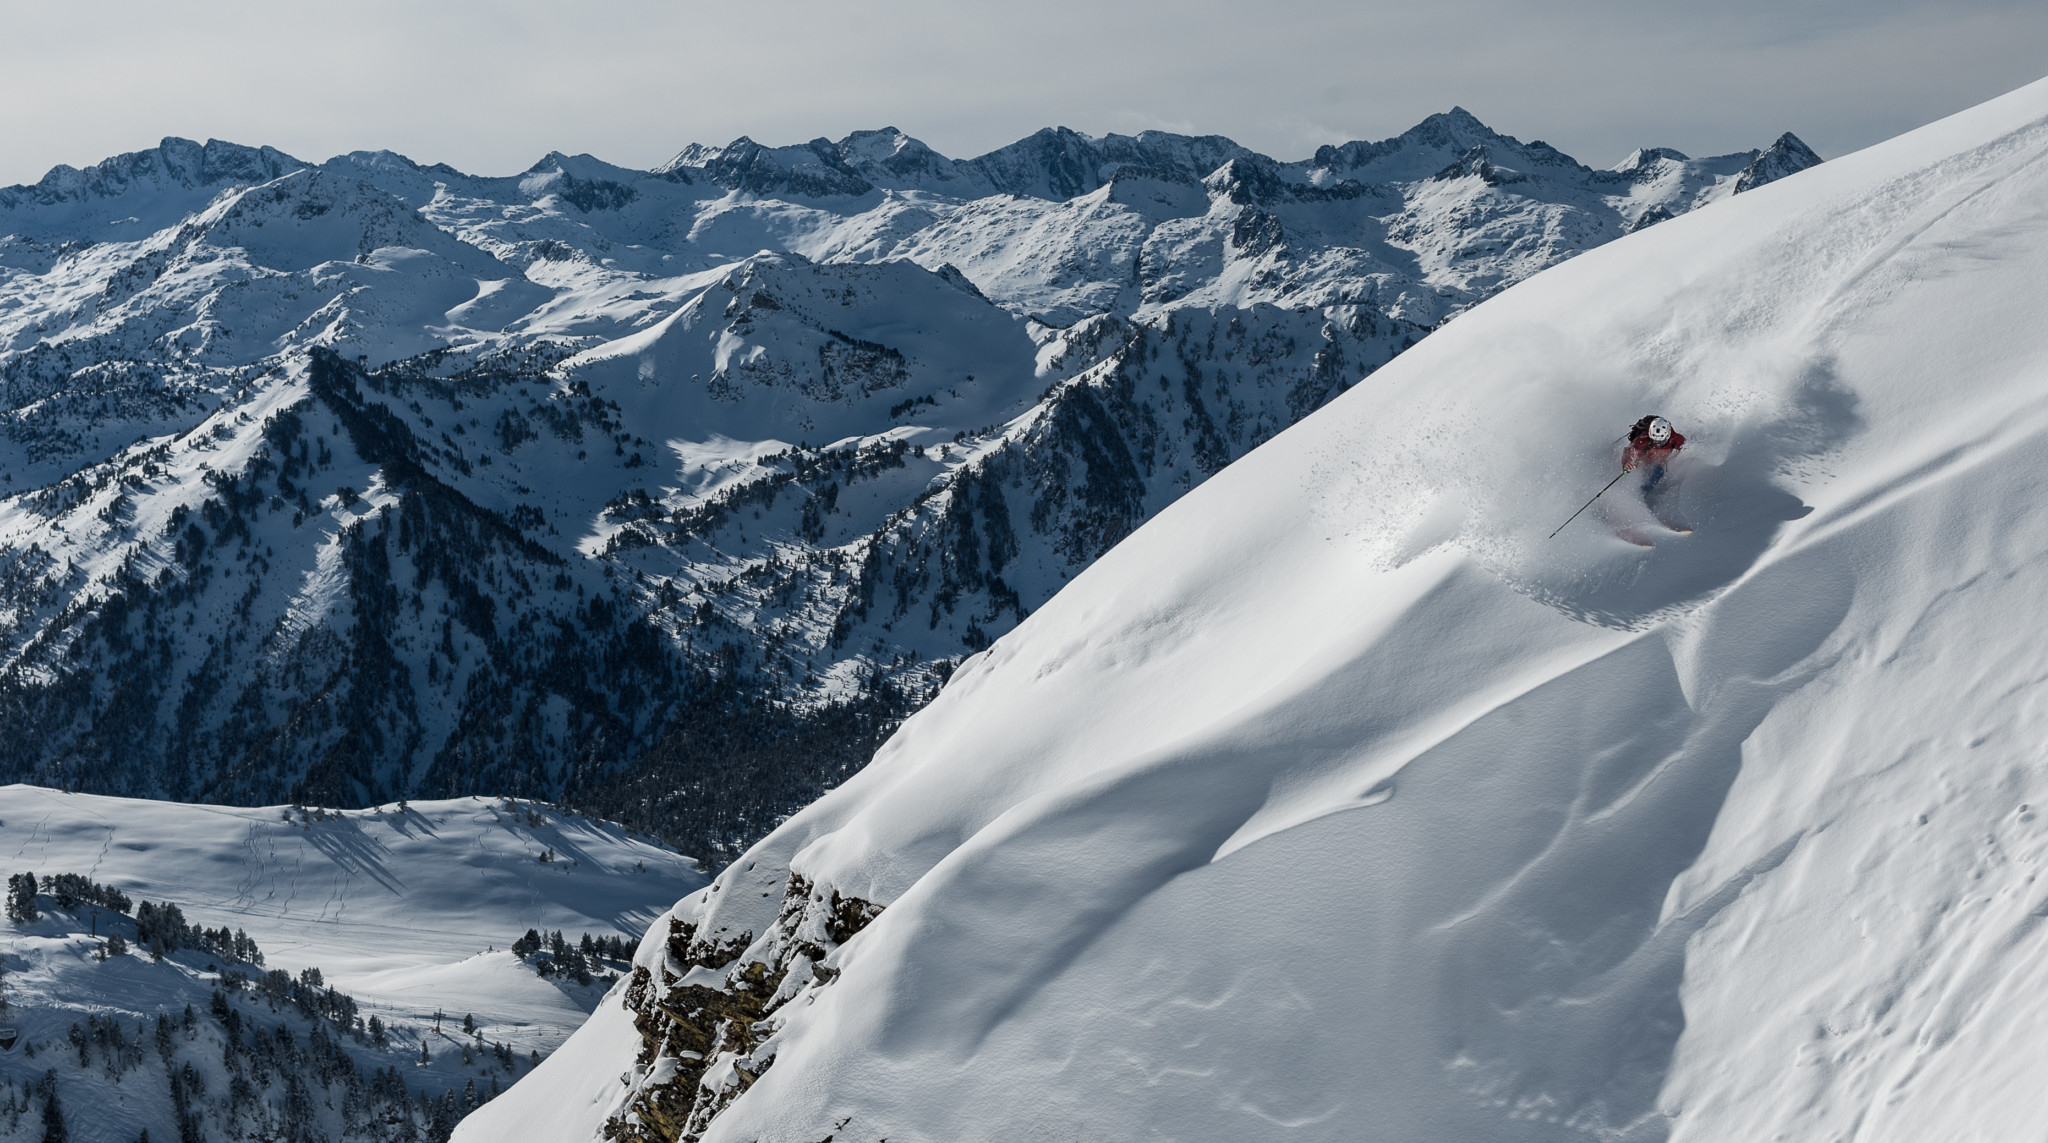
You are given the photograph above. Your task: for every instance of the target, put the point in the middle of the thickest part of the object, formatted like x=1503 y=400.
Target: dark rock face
x=174 y=162
x=1787 y=156
x=707 y=1037
x=745 y=165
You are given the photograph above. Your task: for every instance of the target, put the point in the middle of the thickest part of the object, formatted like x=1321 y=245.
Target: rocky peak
x=1646 y=159
x=1456 y=127
x=1424 y=151
x=1788 y=156
x=814 y=170
x=1053 y=162
x=173 y=162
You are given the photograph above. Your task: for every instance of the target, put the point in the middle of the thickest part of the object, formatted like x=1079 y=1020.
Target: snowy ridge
x=666 y=493
x=1337 y=802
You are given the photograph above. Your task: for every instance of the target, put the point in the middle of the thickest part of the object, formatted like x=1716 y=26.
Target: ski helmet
x=1659 y=430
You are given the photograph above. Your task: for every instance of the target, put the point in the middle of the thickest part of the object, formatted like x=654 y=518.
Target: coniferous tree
x=54 y=1130
x=166 y=1044
x=21 y=898
x=527 y=945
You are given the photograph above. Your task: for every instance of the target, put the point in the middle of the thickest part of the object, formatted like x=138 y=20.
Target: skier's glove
x=1628 y=468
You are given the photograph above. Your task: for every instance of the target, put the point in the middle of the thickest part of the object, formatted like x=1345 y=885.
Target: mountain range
x=1350 y=797
x=665 y=493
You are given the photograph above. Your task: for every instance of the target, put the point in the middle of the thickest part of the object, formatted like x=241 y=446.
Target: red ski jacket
x=1642 y=450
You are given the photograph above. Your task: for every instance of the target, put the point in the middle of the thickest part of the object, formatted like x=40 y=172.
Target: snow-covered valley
x=397 y=912
x=1341 y=802
x=665 y=493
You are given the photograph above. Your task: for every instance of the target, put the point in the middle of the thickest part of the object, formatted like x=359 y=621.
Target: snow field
x=402 y=911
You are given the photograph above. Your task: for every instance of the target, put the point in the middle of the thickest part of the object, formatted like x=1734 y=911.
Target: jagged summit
x=1428 y=147
x=1788 y=155
x=173 y=162
x=581 y=164
x=813 y=170
x=889 y=157
x=1456 y=127
x=1644 y=157
x=143 y=190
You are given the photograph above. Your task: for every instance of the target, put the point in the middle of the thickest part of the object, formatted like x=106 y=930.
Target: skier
x=1651 y=442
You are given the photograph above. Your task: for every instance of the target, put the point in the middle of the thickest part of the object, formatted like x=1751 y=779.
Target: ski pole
x=1589 y=503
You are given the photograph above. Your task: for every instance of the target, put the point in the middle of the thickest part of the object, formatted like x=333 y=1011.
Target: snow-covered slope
x=1340 y=803
x=663 y=493
x=407 y=909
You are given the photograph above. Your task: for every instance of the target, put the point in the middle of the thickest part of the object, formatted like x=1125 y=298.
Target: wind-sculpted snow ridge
x=1339 y=802
x=666 y=493
x=347 y=930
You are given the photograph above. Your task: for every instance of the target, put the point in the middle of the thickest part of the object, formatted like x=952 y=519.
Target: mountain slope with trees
x=300 y=972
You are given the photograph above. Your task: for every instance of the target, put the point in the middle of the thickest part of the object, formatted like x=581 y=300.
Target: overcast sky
x=490 y=87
